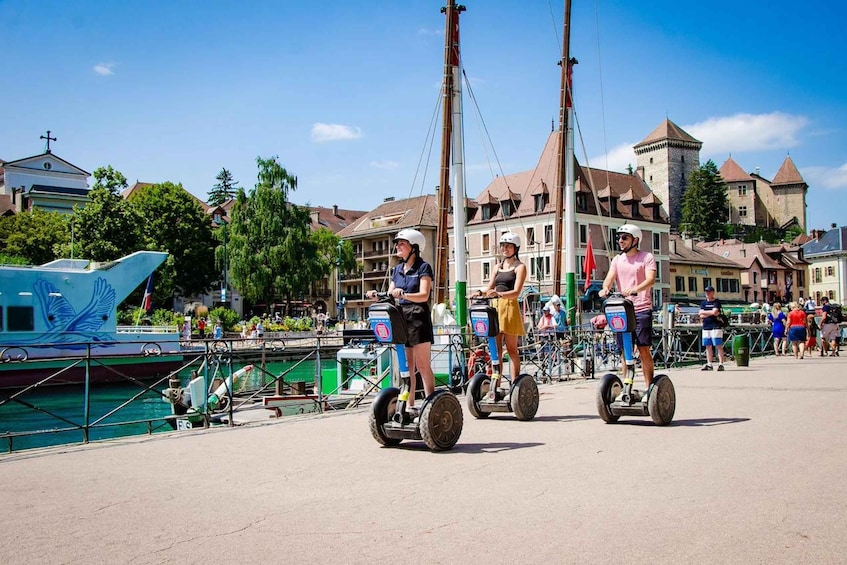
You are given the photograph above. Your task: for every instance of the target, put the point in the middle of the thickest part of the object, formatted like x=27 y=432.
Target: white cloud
x=826 y=177
x=334 y=132
x=618 y=159
x=104 y=69
x=748 y=132
x=385 y=165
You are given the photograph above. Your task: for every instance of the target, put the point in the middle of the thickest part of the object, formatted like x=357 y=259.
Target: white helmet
x=632 y=230
x=512 y=238
x=414 y=237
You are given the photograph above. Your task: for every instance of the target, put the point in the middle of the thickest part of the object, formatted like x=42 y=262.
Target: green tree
x=328 y=253
x=174 y=221
x=107 y=227
x=704 y=203
x=225 y=189
x=36 y=236
x=271 y=252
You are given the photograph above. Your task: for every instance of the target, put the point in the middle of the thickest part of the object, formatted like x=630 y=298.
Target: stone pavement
x=751 y=471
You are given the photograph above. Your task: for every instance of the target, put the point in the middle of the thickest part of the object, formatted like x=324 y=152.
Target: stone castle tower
x=664 y=159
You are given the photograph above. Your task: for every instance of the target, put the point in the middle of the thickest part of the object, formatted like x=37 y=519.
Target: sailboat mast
x=451 y=60
x=558 y=196
x=460 y=251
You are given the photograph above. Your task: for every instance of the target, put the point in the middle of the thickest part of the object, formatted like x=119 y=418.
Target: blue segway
x=440 y=422
x=616 y=398
x=484 y=393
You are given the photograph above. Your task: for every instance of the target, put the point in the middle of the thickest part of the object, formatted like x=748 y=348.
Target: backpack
x=835 y=315
x=722 y=320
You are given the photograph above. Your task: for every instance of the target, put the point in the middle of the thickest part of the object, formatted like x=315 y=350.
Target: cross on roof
x=49 y=139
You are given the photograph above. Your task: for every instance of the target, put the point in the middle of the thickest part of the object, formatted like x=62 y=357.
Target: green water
x=59 y=412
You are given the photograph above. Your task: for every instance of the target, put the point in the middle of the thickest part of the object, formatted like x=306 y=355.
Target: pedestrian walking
x=777 y=320
x=797 y=329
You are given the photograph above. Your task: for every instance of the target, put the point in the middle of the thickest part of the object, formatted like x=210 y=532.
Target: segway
x=484 y=393
x=616 y=399
x=440 y=422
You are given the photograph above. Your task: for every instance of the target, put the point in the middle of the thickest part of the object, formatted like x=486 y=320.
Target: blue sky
x=344 y=92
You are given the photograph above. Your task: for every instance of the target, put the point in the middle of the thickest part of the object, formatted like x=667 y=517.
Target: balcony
x=321 y=293
x=350 y=276
x=377 y=274
x=348 y=296
x=377 y=253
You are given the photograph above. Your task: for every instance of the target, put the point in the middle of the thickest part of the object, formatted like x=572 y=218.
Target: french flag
x=147 y=301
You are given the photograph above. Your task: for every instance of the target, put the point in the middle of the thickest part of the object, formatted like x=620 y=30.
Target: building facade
x=43 y=181
x=826 y=253
x=372 y=237
x=522 y=203
x=693 y=268
x=771 y=273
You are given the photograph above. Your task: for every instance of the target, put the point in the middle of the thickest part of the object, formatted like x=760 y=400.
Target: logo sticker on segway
x=382 y=331
x=618 y=323
x=481 y=327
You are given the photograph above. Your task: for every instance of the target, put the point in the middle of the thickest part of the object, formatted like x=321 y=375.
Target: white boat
x=56 y=316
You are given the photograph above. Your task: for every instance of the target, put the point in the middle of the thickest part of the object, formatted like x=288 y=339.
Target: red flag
x=147 y=301
x=588 y=264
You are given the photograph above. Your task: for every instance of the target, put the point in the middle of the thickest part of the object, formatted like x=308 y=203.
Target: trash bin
x=741 y=350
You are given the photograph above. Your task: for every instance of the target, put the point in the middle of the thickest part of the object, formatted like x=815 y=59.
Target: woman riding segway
x=411 y=282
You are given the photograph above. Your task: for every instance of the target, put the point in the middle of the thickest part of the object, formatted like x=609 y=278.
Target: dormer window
x=541 y=201
x=508 y=208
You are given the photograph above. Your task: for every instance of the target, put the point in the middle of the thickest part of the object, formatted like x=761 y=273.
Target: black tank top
x=504 y=281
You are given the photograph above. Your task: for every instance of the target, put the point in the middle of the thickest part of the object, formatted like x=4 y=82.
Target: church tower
x=665 y=158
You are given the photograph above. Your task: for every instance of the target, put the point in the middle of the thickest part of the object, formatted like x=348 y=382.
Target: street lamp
x=221 y=222
x=338 y=298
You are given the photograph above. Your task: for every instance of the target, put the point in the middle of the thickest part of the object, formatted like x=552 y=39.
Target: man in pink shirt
x=634 y=273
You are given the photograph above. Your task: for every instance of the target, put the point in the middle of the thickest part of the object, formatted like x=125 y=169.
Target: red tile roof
x=667 y=130
x=731 y=172
x=788 y=173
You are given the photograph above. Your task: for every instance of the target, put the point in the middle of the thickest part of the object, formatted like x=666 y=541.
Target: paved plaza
x=751 y=471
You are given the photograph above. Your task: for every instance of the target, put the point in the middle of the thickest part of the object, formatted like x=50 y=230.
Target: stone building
x=756 y=201
x=665 y=159
x=43 y=181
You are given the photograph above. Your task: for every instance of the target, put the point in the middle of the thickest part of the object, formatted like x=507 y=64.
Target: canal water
x=59 y=412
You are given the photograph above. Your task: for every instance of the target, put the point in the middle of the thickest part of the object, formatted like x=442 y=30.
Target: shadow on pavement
x=683 y=423
x=575 y=418
x=468 y=447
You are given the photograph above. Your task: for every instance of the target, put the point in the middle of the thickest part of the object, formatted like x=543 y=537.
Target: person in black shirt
x=712 y=332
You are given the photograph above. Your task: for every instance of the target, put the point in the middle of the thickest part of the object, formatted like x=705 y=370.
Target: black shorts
x=643 y=335
x=418 y=324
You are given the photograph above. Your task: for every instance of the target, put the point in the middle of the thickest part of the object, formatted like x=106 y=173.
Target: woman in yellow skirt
x=506 y=286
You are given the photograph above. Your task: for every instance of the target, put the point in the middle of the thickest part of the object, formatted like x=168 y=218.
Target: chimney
x=689 y=243
x=335 y=210
x=315 y=216
x=640 y=172
x=673 y=246
x=743 y=252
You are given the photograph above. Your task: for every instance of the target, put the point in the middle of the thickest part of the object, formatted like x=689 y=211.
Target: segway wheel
x=382 y=410
x=609 y=389
x=477 y=390
x=662 y=401
x=525 y=398
x=441 y=421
